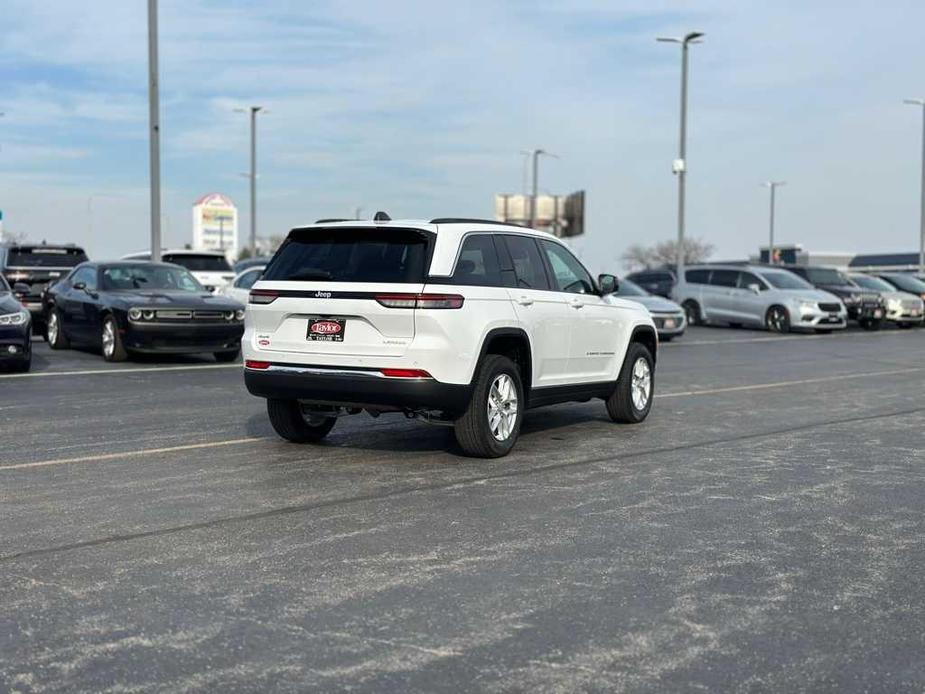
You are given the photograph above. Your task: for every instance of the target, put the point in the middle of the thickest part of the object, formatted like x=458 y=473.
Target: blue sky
x=420 y=108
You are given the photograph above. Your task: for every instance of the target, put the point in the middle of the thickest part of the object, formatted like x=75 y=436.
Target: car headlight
x=18 y=318
x=229 y=315
x=134 y=314
x=148 y=314
x=239 y=314
x=805 y=305
x=894 y=304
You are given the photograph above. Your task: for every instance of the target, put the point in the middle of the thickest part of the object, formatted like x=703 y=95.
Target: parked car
x=239 y=288
x=901 y=307
x=211 y=268
x=659 y=282
x=757 y=295
x=15 y=330
x=243 y=265
x=669 y=318
x=905 y=282
x=864 y=306
x=36 y=266
x=461 y=322
x=137 y=307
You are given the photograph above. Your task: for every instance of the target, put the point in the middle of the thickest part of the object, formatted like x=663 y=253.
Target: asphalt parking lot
x=762 y=531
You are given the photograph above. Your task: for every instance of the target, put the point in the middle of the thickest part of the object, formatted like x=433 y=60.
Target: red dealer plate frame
x=322 y=330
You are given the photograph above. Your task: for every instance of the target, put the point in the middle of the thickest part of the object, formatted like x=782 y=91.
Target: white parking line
x=140 y=369
x=784 y=384
x=785 y=338
x=130 y=454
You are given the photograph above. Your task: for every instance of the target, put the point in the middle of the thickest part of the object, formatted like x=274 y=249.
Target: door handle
x=524 y=301
x=576 y=303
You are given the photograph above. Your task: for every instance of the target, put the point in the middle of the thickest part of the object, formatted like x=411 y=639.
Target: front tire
x=692 y=311
x=631 y=400
x=54 y=333
x=870 y=324
x=777 y=320
x=292 y=424
x=111 y=341
x=491 y=423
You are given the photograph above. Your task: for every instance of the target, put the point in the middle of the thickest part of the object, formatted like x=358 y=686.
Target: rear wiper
x=309 y=275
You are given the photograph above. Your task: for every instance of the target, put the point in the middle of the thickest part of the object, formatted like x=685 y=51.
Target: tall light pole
x=536 y=175
x=921 y=104
x=773 y=186
x=253 y=110
x=680 y=165
x=154 y=118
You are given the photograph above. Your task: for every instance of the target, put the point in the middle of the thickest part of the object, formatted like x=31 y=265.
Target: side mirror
x=21 y=289
x=79 y=285
x=755 y=288
x=608 y=284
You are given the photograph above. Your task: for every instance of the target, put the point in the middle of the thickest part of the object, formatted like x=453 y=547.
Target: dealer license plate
x=326 y=329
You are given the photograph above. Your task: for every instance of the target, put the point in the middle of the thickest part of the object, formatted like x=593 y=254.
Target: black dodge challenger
x=132 y=306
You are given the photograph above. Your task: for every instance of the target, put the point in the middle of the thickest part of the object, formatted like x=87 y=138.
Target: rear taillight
x=405 y=373
x=420 y=300
x=262 y=296
x=254 y=364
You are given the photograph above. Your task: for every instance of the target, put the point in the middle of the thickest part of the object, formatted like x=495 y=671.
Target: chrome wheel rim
x=641 y=384
x=109 y=338
x=502 y=407
x=776 y=320
x=53 y=328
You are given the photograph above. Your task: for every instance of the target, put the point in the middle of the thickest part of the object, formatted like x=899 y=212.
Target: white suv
x=455 y=321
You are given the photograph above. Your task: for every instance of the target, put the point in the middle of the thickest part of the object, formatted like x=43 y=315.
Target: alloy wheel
x=502 y=407
x=109 y=338
x=641 y=384
x=52 y=328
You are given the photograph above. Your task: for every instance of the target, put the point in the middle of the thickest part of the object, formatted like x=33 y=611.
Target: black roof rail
x=381 y=216
x=469 y=220
x=329 y=221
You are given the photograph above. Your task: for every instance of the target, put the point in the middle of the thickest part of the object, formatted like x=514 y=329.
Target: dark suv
x=864 y=306
x=37 y=266
x=659 y=282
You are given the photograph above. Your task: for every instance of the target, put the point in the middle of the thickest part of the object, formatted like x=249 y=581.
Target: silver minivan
x=757 y=295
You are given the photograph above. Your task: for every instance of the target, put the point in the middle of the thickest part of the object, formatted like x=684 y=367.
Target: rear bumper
x=355 y=388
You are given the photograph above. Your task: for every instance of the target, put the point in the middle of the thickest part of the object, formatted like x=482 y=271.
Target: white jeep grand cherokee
x=462 y=322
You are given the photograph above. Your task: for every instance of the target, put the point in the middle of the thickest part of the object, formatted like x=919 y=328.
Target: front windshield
x=132 y=277
x=826 y=275
x=907 y=283
x=781 y=279
x=628 y=288
x=874 y=283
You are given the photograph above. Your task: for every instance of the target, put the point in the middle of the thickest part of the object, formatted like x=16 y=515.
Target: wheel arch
x=513 y=343
x=646 y=336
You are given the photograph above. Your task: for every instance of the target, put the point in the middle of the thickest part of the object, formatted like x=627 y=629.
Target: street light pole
x=772 y=185
x=536 y=170
x=154 y=134
x=253 y=110
x=680 y=167
x=921 y=104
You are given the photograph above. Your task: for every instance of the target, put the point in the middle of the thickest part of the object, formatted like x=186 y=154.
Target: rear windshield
x=199 y=263
x=46 y=257
x=395 y=256
x=874 y=283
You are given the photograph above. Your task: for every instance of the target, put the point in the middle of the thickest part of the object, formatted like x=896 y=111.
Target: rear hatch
x=40 y=266
x=341 y=291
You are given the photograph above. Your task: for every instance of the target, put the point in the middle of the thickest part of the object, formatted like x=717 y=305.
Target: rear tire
x=631 y=400
x=870 y=324
x=226 y=357
x=491 y=423
x=54 y=333
x=292 y=424
x=904 y=326
x=111 y=341
x=777 y=320
x=692 y=310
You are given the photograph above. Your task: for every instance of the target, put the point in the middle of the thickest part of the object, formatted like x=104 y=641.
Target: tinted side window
x=87 y=275
x=528 y=264
x=247 y=280
x=725 y=278
x=697 y=276
x=568 y=273
x=747 y=278
x=477 y=263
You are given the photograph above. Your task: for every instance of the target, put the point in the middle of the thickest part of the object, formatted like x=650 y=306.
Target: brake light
x=262 y=296
x=253 y=364
x=420 y=300
x=405 y=373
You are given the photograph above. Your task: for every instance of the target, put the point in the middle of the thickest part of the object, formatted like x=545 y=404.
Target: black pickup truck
x=37 y=265
x=864 y=306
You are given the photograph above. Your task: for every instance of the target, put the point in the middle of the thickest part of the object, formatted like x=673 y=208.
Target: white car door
x=594 y=322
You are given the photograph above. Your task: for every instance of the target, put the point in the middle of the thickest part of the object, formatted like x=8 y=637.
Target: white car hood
x=655 y=303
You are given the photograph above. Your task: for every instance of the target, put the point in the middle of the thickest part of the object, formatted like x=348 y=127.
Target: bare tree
x=7 y=236
x=638 y=257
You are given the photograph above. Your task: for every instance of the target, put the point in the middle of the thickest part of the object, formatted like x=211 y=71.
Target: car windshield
x=826 y=275
x=874 y=283
x=39 y=256
x=351 y=255
x=781 y=279
x=630 y=288
x=134 y=277
x=199 y=263
x=907 y=283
